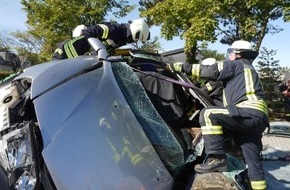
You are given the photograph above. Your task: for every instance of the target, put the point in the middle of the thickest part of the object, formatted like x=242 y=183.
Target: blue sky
x=12 y=18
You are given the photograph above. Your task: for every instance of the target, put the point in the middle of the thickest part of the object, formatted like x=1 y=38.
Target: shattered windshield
x=157 y=131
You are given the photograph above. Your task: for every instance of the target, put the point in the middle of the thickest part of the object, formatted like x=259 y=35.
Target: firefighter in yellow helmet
x=244 y=111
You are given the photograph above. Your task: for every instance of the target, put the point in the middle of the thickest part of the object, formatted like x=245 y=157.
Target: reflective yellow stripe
x=177 y=66
x=250 y=90
x=105 y=31
x=58 y=50
x=69 y=48
x=256 y=104
x=72 y=49
x=209 y=128
x=212 y=130
x=136 y=159
x=214 y=111
x=117 y=155
x=259 y=185
x=195 y=70
x=208 y=86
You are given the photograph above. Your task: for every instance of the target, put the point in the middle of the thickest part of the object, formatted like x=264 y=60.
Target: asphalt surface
x=276 y=151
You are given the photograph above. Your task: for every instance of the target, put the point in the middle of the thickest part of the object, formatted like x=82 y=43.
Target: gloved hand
x=208 y=61
x=176 y=67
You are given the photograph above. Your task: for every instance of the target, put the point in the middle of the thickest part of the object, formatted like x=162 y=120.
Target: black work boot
x=214 y=163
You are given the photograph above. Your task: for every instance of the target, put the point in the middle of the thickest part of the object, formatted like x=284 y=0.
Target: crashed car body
x=88 y=123
x=84 y=124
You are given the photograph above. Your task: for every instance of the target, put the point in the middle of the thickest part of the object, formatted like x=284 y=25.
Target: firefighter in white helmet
x=113 y=35
x=78 y=31
x=244 y=111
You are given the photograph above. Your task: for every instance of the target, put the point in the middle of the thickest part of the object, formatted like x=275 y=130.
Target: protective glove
x=176 y=67
x=208 y=61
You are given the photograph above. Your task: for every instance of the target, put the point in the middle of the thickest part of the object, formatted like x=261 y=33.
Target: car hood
x=91 y=137
x=46 y=75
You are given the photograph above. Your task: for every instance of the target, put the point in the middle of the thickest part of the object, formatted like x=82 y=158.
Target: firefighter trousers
x=213 y=120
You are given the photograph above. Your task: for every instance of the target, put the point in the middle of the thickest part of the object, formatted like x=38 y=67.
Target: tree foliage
x=285 y=70
x=150 y=46
x=210 y=20
x=4 y=42
x=24 y=45
x=28 y=47
x=53 y=21
x=211 y=53
x=270 y=72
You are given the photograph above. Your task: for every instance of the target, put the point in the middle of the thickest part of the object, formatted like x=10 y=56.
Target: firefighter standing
x=244 y=111
x=113 y=35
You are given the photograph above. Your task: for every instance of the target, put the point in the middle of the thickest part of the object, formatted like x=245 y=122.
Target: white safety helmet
x=78 y=31
x=208 y=61
x=244 y=48
x=140 y=30
x=241 y=45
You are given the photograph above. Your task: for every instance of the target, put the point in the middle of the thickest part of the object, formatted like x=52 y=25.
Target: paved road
x=277 y=172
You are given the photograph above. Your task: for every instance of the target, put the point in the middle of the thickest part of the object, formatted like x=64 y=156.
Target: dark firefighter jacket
x=238 y=76
x=113 y=35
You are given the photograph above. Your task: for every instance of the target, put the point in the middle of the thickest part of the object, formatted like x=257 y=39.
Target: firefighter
x=244 y=111
x=113 y=35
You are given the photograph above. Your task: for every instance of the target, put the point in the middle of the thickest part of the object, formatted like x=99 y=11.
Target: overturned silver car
x=98 y=122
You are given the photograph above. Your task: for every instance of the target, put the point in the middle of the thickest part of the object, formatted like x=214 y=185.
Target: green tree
x=210 y=20
x=53 y=21
x=5 y=46
x=4 y=42
x=210 y=53
x=270 y=72
x=285 y=70
x=150 y=46
x=27 y=46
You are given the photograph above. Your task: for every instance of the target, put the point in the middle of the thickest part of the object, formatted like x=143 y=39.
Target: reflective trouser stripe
x=258 y=185
x=209 y=128
x=212 y=130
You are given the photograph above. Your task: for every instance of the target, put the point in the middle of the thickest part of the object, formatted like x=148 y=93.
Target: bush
x=4 y=74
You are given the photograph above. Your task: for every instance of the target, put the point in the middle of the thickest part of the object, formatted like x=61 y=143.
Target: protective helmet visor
x=245 y=53
x=229 y=51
